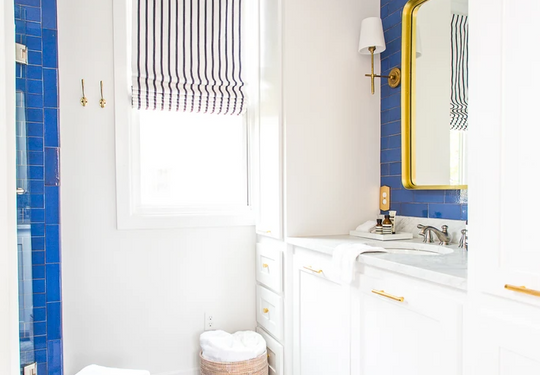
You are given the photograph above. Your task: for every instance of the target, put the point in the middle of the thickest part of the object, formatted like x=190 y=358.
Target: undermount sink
x=412 y=248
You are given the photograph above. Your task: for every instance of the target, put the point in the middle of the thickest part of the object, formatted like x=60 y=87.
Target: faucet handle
x=463 y=240
x=428 y=237
x=444 y=229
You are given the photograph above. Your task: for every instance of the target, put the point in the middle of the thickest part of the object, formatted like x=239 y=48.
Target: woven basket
x=255 y=366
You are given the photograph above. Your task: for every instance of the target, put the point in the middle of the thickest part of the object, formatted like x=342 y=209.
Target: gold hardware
x=265 y=310
x=84 y=101
x=20 y=191
x=393 y=79
x=408 y=100
x=312 y=270
x=522 y=289
x=265 y=265
x=102 y=102
x=384 y=294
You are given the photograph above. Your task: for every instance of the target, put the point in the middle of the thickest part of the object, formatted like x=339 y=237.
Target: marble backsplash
x=409 y=223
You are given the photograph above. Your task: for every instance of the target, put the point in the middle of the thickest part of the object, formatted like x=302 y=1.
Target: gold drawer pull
x=265 y=265
x=522 y=289
x=265 y=310
x=384 y=294
x=309 y=268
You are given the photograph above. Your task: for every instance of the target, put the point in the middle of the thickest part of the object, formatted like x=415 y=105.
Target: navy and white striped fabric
x=187 y=56
x=460 y=73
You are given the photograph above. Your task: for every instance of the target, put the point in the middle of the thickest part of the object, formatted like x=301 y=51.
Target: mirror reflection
x=439 y=89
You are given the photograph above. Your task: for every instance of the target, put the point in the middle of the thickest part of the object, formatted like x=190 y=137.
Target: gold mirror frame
x=408 y=101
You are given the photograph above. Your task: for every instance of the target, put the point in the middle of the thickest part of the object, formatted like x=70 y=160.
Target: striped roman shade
x=187 y=56
x=460 y=73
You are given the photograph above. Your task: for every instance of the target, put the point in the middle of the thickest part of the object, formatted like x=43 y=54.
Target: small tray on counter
x=382 y=237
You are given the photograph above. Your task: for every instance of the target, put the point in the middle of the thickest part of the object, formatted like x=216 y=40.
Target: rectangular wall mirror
x=435 y=94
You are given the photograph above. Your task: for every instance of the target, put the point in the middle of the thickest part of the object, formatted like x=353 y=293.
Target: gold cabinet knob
x=265 y=265
x=265 y=310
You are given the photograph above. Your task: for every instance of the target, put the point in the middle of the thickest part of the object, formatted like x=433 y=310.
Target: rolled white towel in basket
x=221 y=346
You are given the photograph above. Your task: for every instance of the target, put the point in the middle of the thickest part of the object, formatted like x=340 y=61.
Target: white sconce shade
x=371 y=35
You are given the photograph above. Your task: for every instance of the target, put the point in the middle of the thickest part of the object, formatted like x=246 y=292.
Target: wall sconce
x=372 y=42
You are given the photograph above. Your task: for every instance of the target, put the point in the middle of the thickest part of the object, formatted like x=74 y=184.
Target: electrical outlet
x=209 y=322
x=30 y=369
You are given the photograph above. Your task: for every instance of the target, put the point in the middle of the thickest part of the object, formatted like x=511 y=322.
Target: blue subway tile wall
x=443 y=204
x=37 y=97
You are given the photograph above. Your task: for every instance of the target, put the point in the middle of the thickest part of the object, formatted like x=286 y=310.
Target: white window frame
x=128 y=216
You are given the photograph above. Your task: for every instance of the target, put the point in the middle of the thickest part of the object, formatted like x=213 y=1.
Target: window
x=180 y=169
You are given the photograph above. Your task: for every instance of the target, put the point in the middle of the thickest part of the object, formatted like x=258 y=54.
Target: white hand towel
x=343 y=260
x=220 y=346
x=100 y=370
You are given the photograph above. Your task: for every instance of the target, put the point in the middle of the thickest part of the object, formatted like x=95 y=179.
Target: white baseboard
x=195 y=371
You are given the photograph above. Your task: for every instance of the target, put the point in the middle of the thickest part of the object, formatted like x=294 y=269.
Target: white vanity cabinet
x=408 y=326
x=321 y=318
x=503 y=326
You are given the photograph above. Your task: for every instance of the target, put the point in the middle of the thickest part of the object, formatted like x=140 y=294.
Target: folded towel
x=343 y=260
x=366 y=227
x=100 y=370
x=220 y=346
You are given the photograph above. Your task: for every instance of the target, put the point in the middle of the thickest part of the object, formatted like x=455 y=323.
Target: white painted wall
x=331 y=120
x=9 y=334
x=133 y=298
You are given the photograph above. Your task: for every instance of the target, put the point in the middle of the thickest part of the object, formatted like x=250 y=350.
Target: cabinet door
x=321 y=321
x=419 y=335
x=504 y=345
x=504 y=169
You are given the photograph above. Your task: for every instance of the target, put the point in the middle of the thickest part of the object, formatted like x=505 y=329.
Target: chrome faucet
x=442 y=235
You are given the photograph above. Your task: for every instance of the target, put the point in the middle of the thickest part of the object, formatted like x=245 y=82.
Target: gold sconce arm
x=393 y=79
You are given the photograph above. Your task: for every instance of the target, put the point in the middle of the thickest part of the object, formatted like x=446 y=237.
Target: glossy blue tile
x=34 y=72
x=54 y=321
x=34 y=58
x=34 y=129
x=37 y=201
x=392 y=101
x=50 y=82
x=464 y=212
x=49 y=14
x=445 y=211
x=390 y=61
x=393 y=47
x=396 y=5
x=385 y=168
x=38 y=272
x=34 y=3
x=38 y=257
x=38 y=286
x=39 y=301
x=35 y=172
x=414 y=209
x=39 y=327
x=34 y=43
x=38 y=245
x=20 y=27
x=391 y=20
x=36 y=187
x=33 y=28
x=384 y=143
x=51 y=128
x=50 y=51
x=33 y=14
x=392 y=155
x=37 y=215
x=384 y=12
x=35 y=144
x=401 y=195
x=53 y=283
x=394 y=141
x=390 y=115
x=52 y=204
x=35 y=158
x=34 y=114
x=40 y=355
x=391 y=128
x=52 y=171
x=38 y=229
x=52 y=243
x=40 y=342
x=395 y=169
x=392 y=181
x=429 y=196
x=54 y=358
x=42 y=368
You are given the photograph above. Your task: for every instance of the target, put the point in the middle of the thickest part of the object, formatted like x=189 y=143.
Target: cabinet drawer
x=275 y=353
x=270 y=311
x=269 y=266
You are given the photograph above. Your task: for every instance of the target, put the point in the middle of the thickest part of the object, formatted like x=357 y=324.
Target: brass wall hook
x=84 y=101
x=102 y=101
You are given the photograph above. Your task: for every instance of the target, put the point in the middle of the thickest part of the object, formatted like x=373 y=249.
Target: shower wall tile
x=445 y=204
x=36 y=27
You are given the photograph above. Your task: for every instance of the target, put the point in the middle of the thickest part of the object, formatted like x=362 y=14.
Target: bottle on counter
x=379 y=227
x=387 y=225
x=393 y=220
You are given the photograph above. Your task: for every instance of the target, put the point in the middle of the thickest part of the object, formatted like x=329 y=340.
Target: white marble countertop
x=447 y=269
